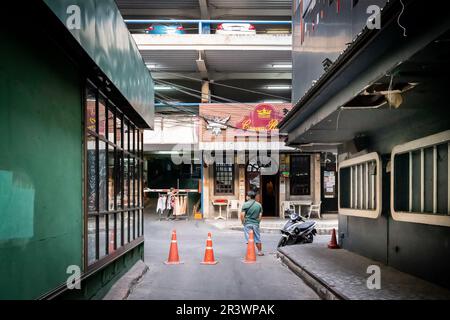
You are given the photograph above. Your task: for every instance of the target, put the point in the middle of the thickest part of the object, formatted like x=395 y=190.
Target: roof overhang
x=318 y=116
x=103 y=37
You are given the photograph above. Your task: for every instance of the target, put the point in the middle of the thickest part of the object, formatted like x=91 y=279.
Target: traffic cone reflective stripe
x=251 y=253
x=209 y=252
x=333 y=243
x=173 y=252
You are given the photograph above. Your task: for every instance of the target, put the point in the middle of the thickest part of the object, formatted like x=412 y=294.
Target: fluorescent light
x=279 y=87
x=282 y=66
x=168 y=152
x=162 y=88
x=274 y=101
x=151 y=65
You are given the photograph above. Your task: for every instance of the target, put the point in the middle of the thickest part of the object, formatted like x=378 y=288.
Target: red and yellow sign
x=263 y=118
x=245 y=119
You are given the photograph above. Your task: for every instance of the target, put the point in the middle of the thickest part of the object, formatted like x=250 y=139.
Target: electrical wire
x=177 y=87
x=200 y=116
x=398 y=19
x=224 y=85
x=200 y=94
x=337 y=120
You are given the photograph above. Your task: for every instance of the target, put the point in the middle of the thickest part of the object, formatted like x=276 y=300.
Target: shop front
x=243 y=151
x=71 y=123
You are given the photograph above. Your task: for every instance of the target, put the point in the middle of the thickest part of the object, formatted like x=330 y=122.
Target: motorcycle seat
x=306 y=225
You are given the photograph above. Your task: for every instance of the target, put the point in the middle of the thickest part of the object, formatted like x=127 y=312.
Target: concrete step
x=344 y=275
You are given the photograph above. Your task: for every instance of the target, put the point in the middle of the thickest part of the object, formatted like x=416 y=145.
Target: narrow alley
x=264 y=153
x=268 y=279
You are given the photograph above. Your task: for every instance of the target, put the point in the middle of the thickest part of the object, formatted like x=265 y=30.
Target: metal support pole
x=201 y=189
x=422 y=180
x=435 y=178
x=410 y=181
x=366 y=185
x=351 y=188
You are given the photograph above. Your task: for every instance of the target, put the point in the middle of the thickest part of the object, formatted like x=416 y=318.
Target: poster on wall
x=329 y=184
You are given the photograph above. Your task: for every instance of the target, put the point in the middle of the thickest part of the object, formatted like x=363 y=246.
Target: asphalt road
x=229 y=279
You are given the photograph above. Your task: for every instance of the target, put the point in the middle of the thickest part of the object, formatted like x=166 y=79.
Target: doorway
x=329 y=183
x=265 y=187
x=269 y=195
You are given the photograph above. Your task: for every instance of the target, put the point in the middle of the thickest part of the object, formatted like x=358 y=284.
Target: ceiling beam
x=213 y=42
x=218 y=76
x=201 y=65
x=204 y=10
x=159 y=13
x=196 y=13
x=257 y=12
x=266 y=42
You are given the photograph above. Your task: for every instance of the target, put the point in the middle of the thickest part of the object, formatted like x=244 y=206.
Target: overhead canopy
x=105 y=38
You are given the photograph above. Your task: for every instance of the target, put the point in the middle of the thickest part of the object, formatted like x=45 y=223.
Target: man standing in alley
x=251 y=217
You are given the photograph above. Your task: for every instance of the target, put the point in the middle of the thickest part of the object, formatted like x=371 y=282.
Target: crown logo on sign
x=264 y=113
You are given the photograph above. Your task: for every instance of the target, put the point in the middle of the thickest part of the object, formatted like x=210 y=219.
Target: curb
x=123 y=287
x=320 y=231
x=319 y=286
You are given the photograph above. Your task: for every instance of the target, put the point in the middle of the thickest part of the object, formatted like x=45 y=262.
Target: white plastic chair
x=315 y=208
x=233 y=205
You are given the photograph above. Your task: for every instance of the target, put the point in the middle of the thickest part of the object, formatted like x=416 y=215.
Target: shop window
x=420 y=190
x=190 y=171
x=114 y=166
x=300 y=175
x=360 y=186
x=223 y=179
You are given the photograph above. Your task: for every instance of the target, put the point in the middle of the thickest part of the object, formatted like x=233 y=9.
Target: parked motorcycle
x=297 y=230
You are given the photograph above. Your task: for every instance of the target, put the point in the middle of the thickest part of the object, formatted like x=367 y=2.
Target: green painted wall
x=97 y=286
x=40 y=165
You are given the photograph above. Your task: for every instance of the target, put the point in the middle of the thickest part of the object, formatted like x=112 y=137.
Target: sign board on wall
x=243 y=120
x=329 y=184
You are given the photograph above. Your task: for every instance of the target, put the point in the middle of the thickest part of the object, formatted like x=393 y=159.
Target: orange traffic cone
x=333 y=243
x=209 y=253
x=173 y=253
x=251 y=254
